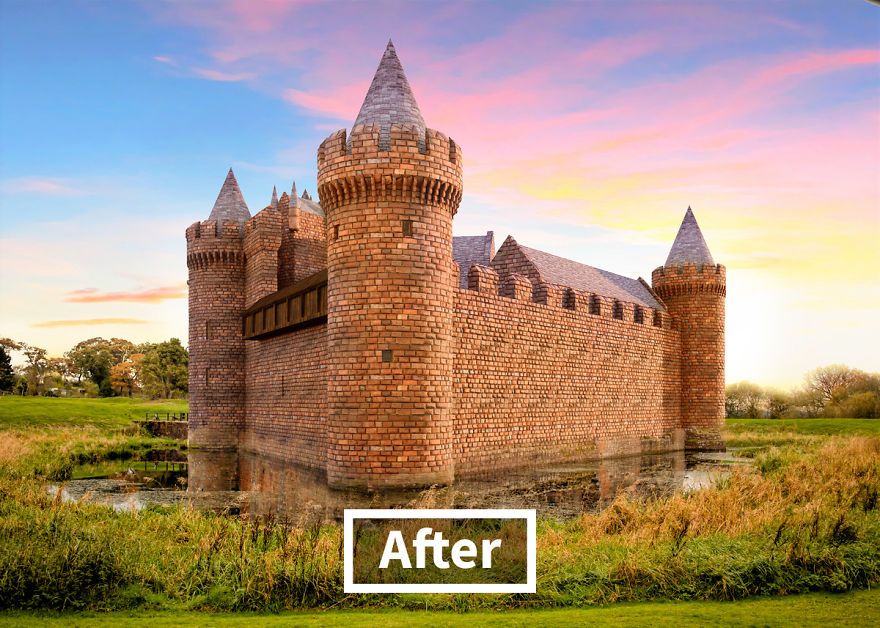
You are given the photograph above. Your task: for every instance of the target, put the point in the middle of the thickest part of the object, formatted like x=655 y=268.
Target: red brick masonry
x=414 y=379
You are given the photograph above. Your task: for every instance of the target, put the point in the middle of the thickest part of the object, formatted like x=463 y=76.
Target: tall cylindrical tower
x=215 y=259
x=693 y=288
x=389 y=191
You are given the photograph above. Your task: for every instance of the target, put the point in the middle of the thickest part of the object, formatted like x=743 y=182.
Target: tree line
x=97 y=367
x=829 y=391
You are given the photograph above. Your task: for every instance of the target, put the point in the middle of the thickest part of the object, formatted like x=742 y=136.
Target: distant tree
x=778 y=402
x=36 y=367
x=125 y=376
x=92 y=359
x=7 y=375
x=828 y=380
x=164 y=368
x=744 y=400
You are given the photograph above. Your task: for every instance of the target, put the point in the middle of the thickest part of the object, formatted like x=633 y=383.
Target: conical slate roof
x=390 y=99
x=689 y=246
x=230 y=203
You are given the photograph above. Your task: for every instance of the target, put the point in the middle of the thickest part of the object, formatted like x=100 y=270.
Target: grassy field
x=753 y=435
x=25 y=412
x=846 y=609
x=804 y=518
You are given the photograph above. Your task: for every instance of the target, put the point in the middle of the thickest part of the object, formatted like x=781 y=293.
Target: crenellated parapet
x=209 y=242
x=684 y=279
x=414 y=169
x=486 y=280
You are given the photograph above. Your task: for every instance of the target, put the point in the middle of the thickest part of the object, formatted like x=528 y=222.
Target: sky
x=587 y=129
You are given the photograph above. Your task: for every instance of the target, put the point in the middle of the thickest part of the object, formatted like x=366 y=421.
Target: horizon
x=591 y=145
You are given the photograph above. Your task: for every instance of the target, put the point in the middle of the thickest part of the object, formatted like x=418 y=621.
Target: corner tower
x=694 y=287
x=389 y=191
x=215 y=258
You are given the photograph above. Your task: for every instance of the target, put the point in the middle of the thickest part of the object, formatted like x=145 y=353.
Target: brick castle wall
x=538 y=383
x=287 y=397
x=390 y=282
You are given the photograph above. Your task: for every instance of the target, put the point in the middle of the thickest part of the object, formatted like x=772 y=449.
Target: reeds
x=805 y=517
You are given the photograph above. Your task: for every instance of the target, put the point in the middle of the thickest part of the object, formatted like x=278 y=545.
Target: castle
x=359 y=338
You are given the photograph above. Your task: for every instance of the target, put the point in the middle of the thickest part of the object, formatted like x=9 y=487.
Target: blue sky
x=587 y=129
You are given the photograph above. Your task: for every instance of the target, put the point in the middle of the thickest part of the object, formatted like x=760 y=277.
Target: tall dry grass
x=803 y=518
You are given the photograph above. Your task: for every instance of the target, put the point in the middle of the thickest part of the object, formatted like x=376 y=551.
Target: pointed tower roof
x=230 y=203
x=274 y=201
x=390 y=99
x=293 y=191
x=689 y=246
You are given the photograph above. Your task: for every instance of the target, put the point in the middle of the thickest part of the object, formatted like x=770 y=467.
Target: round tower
x=693 y=288
x=389 y=191
x=215 y=258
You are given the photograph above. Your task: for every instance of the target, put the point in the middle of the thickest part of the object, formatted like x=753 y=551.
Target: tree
x=778 y=403
x=827 y=380
x=124 y=377
x=7 y=376
x=744 y=400
x=36 y=367
x=164 y=368
x=93 y=359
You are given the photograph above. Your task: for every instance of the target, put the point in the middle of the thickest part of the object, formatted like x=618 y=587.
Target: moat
x=251 y=486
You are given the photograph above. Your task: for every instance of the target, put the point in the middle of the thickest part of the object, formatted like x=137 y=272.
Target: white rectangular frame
x=449 y=513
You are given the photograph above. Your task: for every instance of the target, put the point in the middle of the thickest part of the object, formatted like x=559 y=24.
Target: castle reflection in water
x=259 y=487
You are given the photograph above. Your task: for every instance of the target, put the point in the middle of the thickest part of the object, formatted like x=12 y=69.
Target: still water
x=249 y=485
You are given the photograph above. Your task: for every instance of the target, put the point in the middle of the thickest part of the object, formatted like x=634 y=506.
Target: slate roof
x=230 y=203
x=305 y=202
x=689 y=245
x=565 y=272
x=390 y=99
x=470 y=250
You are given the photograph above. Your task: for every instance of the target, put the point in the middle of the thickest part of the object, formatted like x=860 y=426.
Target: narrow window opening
x=568 y=299
x=639 y=315
x=407 y=228
x=618 y=310
x=335 y=232
x=658 y=319
x=387 y=355
x=282 y=385
x=594 y=305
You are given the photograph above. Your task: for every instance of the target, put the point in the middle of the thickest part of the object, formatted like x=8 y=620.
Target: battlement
x=689 y=279
x=421 y=169
x=263 y=231
x=485 y=280
x=208 y=242
x=212 y=230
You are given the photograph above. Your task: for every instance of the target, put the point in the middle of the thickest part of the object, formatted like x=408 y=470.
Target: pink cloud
x=89 y=321
x=41 y=186
x=151 y=295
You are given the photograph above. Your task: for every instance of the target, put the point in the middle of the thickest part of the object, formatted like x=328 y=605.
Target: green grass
x=823 y=427
x=25 y=412
x=860 y=608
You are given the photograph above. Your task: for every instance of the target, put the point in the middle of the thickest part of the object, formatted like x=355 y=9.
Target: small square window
x=407 y=228
x=387 y=355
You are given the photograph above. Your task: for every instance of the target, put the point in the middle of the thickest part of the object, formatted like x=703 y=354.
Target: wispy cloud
x=151 y=295
x=48 y=186
x=90 y=321
x=218 y=75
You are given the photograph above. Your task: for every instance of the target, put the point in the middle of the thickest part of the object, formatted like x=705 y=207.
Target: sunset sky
x=587 y=130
